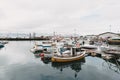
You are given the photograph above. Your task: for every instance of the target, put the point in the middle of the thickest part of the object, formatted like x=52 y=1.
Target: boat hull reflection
x=74 y=65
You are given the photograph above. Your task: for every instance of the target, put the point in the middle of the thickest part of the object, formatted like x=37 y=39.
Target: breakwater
x=23 y=39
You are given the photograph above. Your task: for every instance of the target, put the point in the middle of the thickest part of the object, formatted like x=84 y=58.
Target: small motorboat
x=86 y=47
x=37 y=49
x=1 y=45
x=114 y=41
x=41 y=48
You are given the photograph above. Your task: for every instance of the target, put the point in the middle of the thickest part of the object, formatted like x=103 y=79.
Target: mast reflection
x=112 y=64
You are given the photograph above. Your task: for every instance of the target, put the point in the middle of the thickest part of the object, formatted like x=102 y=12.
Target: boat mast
x=110 y=27
x=75 y=35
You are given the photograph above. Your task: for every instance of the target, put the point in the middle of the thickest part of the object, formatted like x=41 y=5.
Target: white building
x=108 y=35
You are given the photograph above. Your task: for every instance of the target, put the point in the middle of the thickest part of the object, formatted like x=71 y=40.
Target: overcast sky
x=61 y=16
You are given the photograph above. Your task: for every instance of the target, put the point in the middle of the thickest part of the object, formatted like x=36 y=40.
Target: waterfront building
x=108 y=35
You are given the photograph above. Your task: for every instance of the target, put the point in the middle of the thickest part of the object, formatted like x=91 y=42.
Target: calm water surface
x=18 y=63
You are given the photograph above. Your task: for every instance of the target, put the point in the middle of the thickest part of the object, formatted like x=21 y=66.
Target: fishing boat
x=37 y=48
x=112 y=51
x=88 y=47
x=68 y=56
x=43 y=47
x=40 y=49
x=113 y=41
x=107 y=56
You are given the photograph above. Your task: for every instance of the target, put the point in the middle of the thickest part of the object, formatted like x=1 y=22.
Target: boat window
x=78 y=49
x=45 y=49
x=115 y=39
x=67 y=48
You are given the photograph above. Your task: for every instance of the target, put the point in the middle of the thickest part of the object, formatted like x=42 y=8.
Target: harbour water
x=18 y=63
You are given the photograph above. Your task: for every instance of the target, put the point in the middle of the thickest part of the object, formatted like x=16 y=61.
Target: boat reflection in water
x=75 y=65
x=113 y=65
x=45 y=60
